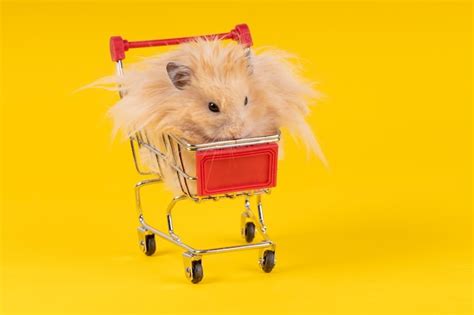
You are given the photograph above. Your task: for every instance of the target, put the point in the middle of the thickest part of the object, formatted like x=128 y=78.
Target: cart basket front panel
x=236 y=169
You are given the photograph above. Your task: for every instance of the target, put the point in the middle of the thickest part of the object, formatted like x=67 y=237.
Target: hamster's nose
x=235 y=131
x=235 y=134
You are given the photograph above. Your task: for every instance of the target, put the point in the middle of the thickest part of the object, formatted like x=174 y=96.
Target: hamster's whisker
x=213 y=156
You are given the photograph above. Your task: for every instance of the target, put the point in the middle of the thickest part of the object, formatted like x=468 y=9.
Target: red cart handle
x=119 y=46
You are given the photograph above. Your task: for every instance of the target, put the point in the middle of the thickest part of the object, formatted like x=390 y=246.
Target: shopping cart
x=225 y=169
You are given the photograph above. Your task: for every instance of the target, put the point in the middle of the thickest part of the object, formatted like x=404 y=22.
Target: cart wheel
x=196 y=271
x=149 y=247
x=267 y=262
x=249 y=231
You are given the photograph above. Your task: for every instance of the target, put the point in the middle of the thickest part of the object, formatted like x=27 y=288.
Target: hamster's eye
x=213 y=107
x=246 y=100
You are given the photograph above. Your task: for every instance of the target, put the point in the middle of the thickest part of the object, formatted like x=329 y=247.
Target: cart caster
x=196 y=271
x=249 y=232
x=146 y=241
x=193 y=268
x=267 y=260
x=150 y=245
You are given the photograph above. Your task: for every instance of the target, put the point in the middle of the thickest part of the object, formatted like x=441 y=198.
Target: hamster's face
x=215 y=107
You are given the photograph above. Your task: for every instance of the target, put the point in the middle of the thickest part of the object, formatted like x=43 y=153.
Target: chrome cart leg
x=138 y=188
x=263 y=227
x=146 y=238
x=267 y=259
x=250 y=224
x=169 y=217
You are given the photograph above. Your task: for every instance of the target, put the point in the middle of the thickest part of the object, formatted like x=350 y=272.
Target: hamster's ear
x=179 y=74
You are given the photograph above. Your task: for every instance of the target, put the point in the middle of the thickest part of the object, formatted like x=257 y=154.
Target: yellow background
x=387 y=230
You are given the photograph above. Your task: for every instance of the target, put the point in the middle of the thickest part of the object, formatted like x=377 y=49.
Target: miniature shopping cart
x=225 y=169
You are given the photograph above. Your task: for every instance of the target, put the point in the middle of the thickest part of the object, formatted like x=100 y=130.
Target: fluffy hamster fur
x=255 y=93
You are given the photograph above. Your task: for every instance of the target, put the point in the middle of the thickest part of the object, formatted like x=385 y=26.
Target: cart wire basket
x=243 y=168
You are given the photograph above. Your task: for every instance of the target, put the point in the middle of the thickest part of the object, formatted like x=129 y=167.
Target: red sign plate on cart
x=229 y=170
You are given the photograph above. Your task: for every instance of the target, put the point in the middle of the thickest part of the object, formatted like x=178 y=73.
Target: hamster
x=206 y=91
